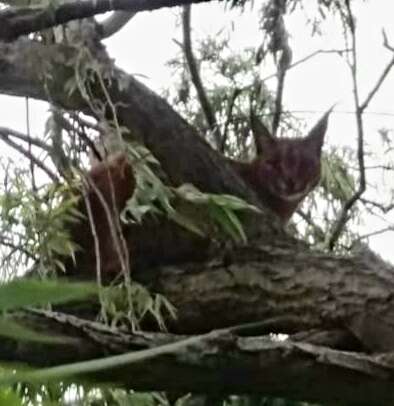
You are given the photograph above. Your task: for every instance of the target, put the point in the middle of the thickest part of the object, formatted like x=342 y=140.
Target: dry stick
x=196 y=79
x=6 y=132
x=117 y=236
x=118 y=240
x=373 y=233
x=96 y=241
x=381 y=207
x=360 y=107
x=382 y=76
x=110 y=218
x=306 y=58
x=308 y=219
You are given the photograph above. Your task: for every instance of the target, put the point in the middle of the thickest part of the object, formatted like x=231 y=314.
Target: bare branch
x=344 y=216
x=31 y=157
x=386 y=41
x=16 y=22
x=196 y=79
x=115 y=22
x=372 y=234
x=360 y=108
x=381 y=79
x=384 y=209
x=6 y=132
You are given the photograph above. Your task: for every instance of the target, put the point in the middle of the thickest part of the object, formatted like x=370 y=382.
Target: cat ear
x=315 y=138
x=262 y=136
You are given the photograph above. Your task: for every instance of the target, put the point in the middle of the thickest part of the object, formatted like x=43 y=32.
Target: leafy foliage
x=32 y=226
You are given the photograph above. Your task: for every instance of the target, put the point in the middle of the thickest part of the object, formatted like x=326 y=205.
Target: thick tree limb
x=220 y=362
x=15 y=22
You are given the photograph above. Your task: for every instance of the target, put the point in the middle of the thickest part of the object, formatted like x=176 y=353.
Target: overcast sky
x=146 y=43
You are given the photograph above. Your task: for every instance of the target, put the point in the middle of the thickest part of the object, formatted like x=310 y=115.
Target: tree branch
x=16 y=22
x=382 y=77
x=196 y=79
x=114 y=23
x=5 y=137
x=343 y=218
x=6 y=132
x=256 y=365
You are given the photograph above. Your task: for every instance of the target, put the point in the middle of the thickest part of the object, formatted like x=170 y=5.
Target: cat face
x=290 y=168
x=285 y=169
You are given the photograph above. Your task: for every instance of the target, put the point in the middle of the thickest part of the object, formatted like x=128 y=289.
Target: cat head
x=288 y=168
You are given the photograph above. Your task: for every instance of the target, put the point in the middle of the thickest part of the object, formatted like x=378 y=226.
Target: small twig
x=30 y=156
x=386 y=42
x=229 y=115
x=344 y=216
x=7 y=243
x=306 y=58
x=382 y=77
x=6 y=132
x=360 y=107
x=381 y=207
x=196 y=78
x=96 y=242
x=114 y=226
x=373 y=233
x=308 y=219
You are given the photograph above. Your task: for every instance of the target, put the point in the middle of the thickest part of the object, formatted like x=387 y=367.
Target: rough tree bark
x=277 y=280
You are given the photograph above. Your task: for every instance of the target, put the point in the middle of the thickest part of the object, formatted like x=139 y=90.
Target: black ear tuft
x=262 y=136
x=315 y=138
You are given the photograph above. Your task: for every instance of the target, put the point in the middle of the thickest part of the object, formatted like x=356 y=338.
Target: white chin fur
x=294 y=197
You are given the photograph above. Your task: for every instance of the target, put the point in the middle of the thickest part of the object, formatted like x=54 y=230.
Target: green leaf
x=221 y=217
x=9 y=398
x=186 y=223
x=21 y=293
x=236 y=225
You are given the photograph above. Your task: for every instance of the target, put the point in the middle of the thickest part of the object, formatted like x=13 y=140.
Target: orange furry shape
x=110 y=184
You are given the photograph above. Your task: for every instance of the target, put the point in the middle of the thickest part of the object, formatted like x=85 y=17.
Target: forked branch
x=359 y=108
